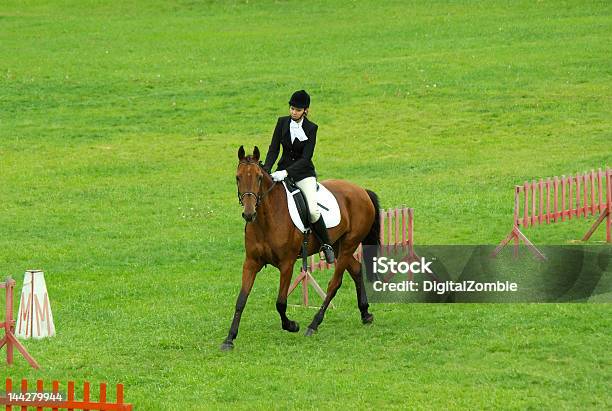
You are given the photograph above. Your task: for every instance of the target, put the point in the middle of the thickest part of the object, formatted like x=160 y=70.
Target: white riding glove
x=279 y=175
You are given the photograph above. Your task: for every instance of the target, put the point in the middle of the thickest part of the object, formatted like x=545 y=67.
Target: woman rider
x=298 y=136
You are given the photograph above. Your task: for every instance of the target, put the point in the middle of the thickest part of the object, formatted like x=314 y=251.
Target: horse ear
x=241 y=153
x=256 y=154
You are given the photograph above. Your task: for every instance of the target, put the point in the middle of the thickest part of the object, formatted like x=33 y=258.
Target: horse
x=270 y=237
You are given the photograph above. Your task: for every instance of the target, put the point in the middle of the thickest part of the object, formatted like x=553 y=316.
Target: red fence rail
x=9 y=338
x=556 y=199
x=26 y=397
x=396 y=230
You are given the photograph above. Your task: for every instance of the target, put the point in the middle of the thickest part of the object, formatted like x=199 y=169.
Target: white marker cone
x=35 y=318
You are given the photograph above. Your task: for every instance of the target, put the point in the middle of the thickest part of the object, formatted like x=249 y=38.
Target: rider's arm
x=274 y=148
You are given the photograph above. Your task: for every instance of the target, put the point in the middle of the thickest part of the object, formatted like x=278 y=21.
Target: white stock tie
x=297 y=131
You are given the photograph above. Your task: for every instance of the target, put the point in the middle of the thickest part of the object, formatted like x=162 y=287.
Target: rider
x=298 y=136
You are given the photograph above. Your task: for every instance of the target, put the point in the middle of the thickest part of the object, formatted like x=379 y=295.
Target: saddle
x=298 y=207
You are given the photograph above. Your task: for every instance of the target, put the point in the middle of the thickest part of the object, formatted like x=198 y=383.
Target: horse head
x=249 y=177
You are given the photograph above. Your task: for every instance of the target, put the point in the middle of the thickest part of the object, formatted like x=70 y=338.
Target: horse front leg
x=286 y=271
x=249 y=269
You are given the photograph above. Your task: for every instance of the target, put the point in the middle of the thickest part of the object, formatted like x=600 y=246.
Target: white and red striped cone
x=35 y=319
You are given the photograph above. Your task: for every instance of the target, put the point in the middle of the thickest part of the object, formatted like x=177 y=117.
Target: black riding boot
x=318 y=227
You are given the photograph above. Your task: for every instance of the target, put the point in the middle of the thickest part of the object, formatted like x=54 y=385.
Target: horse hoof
x=309 y=332
x=227 y=346
x=292 y=327
x=367 y=319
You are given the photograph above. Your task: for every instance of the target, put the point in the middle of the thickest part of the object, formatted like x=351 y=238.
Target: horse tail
x=371 y=242
x=373 y=237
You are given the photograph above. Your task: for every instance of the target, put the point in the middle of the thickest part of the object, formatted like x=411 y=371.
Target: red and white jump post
x=557 y=199
x=396 y=231
x=9 y=338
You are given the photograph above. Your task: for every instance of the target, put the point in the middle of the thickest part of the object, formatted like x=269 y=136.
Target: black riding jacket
x=297 y=156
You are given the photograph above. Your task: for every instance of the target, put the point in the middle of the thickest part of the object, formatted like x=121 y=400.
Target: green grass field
x=119 y=127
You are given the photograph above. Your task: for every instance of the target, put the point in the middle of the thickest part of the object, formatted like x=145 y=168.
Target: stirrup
x=329 y=253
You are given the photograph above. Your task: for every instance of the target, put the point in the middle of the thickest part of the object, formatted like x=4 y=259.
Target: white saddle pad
x=328 y=205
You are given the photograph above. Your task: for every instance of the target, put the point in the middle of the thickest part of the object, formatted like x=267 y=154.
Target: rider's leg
x=308 y=186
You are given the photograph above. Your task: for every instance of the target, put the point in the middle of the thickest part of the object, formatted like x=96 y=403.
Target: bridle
x=258 y=196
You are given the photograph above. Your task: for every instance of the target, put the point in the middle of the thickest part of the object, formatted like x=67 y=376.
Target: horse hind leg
x=332 y=288
x=354 y=269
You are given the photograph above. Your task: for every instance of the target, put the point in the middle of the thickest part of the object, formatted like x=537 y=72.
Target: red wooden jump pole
x=557 y=199
x=396 y=231
x=9 y=338
x=26 y=397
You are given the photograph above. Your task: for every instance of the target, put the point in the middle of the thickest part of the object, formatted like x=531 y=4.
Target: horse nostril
x=249 y=217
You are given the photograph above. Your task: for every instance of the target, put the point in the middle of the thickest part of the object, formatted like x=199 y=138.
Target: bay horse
x=270 y=237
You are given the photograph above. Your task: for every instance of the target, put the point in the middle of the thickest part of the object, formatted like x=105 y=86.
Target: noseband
x=246 y=193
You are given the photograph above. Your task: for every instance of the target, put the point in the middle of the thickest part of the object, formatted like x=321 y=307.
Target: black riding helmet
x=300 y=99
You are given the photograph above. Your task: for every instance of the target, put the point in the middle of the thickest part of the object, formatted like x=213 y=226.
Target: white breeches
x=308 y=186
